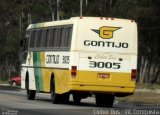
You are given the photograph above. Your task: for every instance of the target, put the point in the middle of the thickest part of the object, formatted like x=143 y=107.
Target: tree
x=16 y=15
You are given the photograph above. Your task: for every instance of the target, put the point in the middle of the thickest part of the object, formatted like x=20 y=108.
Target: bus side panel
x=27 y=67
x=32 y=85
x=23 y=77
x=37 y=71
x=46 y=76
x=62 y=81
x=48 y=63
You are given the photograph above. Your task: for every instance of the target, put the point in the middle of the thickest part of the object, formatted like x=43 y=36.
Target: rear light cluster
x=74 y=70
x=133 y=74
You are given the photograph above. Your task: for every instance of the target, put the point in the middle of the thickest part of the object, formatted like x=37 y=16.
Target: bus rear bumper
x=102 y=89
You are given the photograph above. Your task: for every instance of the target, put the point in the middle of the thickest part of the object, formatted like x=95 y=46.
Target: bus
x=82 y=57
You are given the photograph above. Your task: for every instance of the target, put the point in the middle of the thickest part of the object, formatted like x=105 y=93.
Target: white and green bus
x=80 y=56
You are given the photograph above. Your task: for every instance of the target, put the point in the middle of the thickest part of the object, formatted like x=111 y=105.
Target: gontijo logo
x=106 y=32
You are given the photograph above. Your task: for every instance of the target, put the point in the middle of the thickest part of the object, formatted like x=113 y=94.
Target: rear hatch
x=108 y=51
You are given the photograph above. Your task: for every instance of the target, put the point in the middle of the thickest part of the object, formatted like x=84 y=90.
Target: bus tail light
x=74 y=70
x=134 y=75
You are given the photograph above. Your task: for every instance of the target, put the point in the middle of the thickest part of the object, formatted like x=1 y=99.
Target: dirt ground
x=142 y=97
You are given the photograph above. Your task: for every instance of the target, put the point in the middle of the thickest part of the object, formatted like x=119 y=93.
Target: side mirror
x=21 y=43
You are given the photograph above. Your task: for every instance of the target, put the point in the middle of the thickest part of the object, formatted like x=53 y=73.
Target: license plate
x=103 y=75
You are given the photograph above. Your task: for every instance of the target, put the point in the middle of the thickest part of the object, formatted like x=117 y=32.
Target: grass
x=3 y=82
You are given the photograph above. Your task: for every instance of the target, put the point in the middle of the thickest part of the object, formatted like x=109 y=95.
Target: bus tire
x=65 y=98
x=76 y=98
x=30 y=93
x=104 y=100
x=55 y=98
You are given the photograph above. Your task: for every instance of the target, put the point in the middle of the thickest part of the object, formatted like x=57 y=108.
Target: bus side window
x=57 y=34
x=63 y=38
x=57 y=38
x=51 y=37
x=39 y=38
x=69 y=37
x=32 y=39
x=66 y=33
x=44 y=36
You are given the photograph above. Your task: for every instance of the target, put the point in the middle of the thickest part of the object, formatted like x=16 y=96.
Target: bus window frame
x=48 y=46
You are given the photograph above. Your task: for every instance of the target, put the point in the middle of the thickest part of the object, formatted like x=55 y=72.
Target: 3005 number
x=109 y=65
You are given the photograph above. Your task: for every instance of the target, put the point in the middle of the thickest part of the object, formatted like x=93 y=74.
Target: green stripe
x=38 y=25
x=38 y=71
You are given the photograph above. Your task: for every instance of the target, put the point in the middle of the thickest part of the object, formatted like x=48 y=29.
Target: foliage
x=16 y=15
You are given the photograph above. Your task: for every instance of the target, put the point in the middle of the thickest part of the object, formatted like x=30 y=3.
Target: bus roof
x=71 y=21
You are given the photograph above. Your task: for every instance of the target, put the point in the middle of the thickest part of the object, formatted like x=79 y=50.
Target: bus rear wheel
x=30 y=93
x=104 y=100
x=55 y=98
